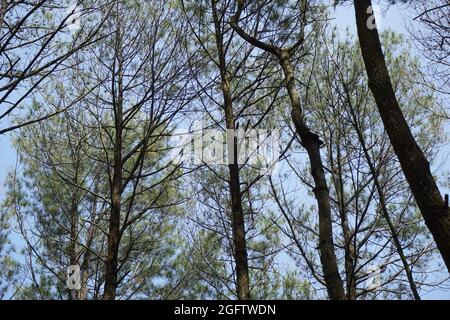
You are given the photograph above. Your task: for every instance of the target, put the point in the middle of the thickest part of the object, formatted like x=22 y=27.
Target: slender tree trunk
x=395 y=238
x=349 y=248
x=412 y=159
x=3 y=4
x=83 y=292
x=73 y=233
x=312 y=144
x=111 y=268
x=238 y=223
x=117 y=180
x=240 y=243
x=114 y=222
x=384 y=209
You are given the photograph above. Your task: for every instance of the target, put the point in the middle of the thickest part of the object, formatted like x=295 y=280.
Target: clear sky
x=395 y=18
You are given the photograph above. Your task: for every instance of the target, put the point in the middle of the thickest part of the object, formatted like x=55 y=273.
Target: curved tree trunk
x=412 y=159
x=312 y=144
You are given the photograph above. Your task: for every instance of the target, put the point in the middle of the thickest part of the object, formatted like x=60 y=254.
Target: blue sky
x=395 y=19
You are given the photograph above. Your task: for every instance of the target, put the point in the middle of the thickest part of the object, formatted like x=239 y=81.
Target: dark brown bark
x=114 y=222
x=240 y=243
x=84 y=268
x=411 y=157
x=238 y=223
x=73 y=233
x=111 y=267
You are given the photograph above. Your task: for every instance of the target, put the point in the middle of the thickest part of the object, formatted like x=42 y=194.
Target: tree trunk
x=84 y=268
x=383 y=205
x=111 y=268
x=349 y=248
x=114 y=222
x=240 y=243
x=239 y=240
x=412 y=159
x=3 y=5
x=237 y=214
x=73 y=233
x=312 y=144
